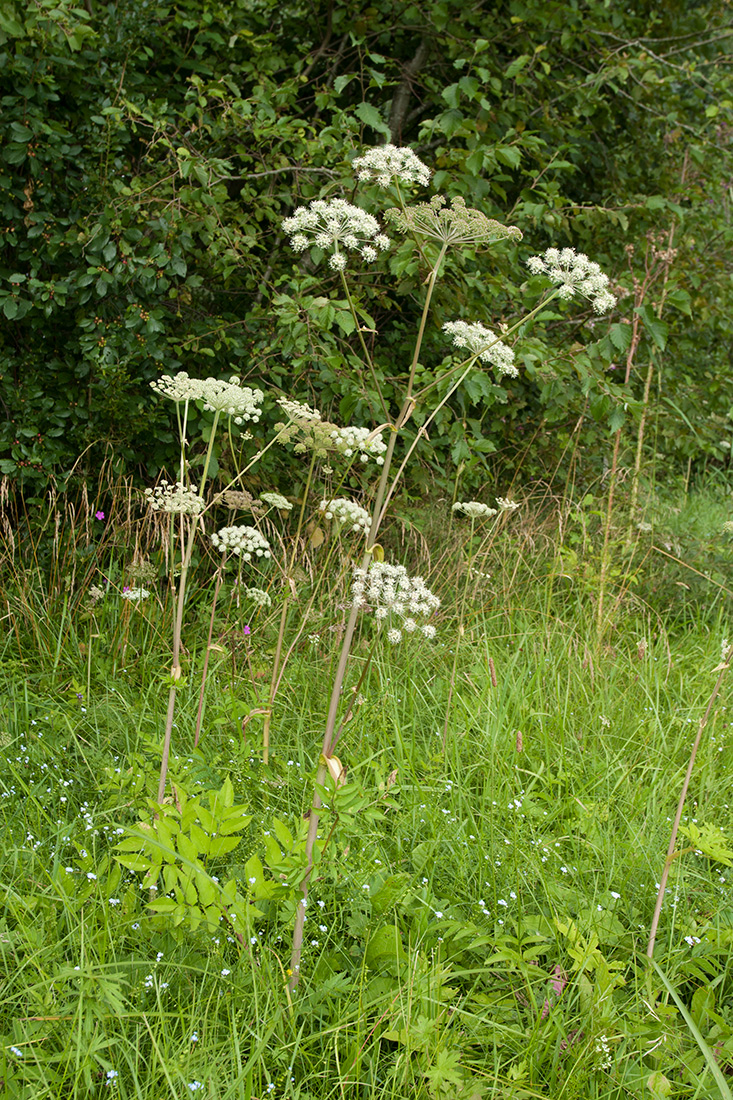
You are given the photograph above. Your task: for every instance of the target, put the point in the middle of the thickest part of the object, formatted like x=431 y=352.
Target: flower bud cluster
x=574 y=273
x=346 y=514
x=258 y=596
x=338 y=227
x=177 y=498
x=368 y=444
x=241 y=499
x=387 y=162
x=230 y=397
x=389 y=591
x=245 y=542
x=483 y=343
x=275 y=500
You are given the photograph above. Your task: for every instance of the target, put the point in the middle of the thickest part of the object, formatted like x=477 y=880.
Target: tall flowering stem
x=336 y=690
x=241 y=404
x=176 y=670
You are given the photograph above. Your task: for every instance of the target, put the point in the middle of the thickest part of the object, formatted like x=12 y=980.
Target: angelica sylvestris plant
x=337 y=229
x=240 y=405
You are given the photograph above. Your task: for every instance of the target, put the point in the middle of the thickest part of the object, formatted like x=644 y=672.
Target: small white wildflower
x=336 y=225
x=179 y=499
x=574 y=273
x=244 y=542
x=275 y=500
x=507 y=505
x=483 y=343
x=346 y=513
x=135 y=594
x=258 y=596
x=388 y=162
x=225 y=973
x=474 y=508
x=16 y=1051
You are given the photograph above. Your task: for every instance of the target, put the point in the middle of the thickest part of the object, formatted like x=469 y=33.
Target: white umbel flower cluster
x=475 y=509
x=231 y=398
x=483 y=343
x=178 y=387
x=369 y=445
x=338 y=227
x=297 y=412
x=507 y=505
x=258 y=596
x=244 y=542
x=346 y=514
x=240 y=402
x=575 y=274
x=388 y=162
x=178 y=498
x=275 y=500
x=389 y=591
x=135 y=594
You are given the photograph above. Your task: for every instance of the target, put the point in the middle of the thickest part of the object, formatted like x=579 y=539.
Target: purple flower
x=247 y=630
x=99 y=515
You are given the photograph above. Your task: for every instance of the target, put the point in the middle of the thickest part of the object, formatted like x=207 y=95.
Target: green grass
x=476 y=926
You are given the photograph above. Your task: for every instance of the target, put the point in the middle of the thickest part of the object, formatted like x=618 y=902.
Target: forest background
x=151 y=150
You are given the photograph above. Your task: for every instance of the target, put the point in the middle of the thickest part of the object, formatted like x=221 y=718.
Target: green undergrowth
x=479 y=913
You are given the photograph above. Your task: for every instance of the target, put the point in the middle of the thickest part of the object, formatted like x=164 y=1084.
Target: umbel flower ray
x=452 y=224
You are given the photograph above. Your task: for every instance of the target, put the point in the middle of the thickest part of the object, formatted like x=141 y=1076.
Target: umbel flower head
x=454 y=224
x=388 y=162
x=276 y=500
x=389 y=591
x=483 y=343
x=475 y=509
x=230 y=397
x=338 y=227
x=175 y=498
x=345 y=513
x=244 y=542
x=309 y=433
x=369 y=444
x=575 y=274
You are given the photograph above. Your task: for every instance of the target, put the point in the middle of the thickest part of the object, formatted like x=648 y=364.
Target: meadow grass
x=477 y=920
